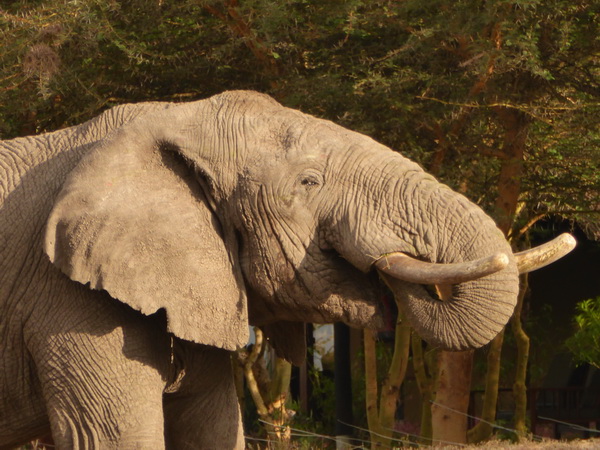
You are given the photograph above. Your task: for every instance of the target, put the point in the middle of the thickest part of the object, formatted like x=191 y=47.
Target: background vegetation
x=447 y=83
x=585 y=342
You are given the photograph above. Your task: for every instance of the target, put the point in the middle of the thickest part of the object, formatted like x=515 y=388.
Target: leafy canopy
x=452 y=84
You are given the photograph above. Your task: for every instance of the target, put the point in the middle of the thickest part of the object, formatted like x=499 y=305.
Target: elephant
x=138 y=247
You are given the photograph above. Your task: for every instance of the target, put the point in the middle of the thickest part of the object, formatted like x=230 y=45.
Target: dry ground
x=546 y=444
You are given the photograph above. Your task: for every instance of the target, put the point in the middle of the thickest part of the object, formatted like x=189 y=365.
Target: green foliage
x=428 y=79
x=64 y=61
x=322 y=400
x=585 y=342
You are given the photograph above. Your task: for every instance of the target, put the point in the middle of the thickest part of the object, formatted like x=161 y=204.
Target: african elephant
x=137 y=247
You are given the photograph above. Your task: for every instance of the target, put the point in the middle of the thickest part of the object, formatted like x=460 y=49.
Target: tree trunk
x=270 y=405
x=304 y=387
x=425 y=383
x=390 y=390
x=371 y=389
x=381 y=419
x=519 y=386
x=449 y=410
x=515 y=124
x=448 y=413
x=483 y=430
x=343 y=382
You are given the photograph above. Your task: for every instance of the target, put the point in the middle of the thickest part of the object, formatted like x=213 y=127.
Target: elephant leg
x=22 y=410
x=102 y=377
x=95 y=403
x=203 y=412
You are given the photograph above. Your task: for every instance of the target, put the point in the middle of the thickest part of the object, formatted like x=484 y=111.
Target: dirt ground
x=545 y=444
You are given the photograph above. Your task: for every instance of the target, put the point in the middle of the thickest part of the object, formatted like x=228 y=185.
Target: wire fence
x=403 y=440
x=406 y=439
x=480 y=419
x=571 y=425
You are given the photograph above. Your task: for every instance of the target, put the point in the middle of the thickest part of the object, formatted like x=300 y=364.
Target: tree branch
x=242 y=29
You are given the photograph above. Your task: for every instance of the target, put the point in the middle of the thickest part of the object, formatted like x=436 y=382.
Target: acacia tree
x=63 y=62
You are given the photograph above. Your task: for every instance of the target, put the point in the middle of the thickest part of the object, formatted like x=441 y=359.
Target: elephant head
x=236 y=209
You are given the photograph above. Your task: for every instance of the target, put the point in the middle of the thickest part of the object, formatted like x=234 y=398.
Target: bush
x=585 y=343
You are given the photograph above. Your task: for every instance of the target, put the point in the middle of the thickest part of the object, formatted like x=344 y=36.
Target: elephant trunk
x=459 y=235
x=475 y=314
x=471 y=316
x=470 y=292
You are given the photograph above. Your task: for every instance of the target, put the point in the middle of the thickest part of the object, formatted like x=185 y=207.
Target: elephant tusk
x=542 y=255
x=406 y=268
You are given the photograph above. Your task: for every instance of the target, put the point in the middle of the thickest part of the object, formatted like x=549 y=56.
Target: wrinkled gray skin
x=205 y=217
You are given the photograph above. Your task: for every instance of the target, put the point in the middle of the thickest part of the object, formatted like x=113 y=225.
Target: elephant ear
x=288 y=339
x=132 y=219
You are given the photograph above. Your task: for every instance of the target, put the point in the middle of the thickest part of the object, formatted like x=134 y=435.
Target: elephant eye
x=309 y=181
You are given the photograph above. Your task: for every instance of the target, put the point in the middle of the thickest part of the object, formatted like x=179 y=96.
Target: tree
x=269 y=389
x=381 y=409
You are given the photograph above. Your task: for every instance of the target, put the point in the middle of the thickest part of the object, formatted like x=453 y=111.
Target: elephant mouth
x=388 y=304
x=388 y=310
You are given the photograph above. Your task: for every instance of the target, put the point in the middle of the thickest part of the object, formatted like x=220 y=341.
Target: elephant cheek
x=360 y=302
x=373 y=317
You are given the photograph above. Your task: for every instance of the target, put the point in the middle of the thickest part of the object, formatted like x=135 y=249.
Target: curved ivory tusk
x=545 y=254
x=406 y=268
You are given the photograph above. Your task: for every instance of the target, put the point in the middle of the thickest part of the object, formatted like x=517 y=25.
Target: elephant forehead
x=279 y=158
x=286 y=140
